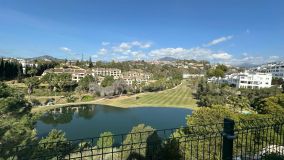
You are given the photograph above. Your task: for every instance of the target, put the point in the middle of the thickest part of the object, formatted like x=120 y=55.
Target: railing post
x=228 y=139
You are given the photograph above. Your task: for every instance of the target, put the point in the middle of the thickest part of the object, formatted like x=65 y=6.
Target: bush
x=272 y=156
x=87 y=98
x=49 y=101
x=71 y=98
x=35 y=102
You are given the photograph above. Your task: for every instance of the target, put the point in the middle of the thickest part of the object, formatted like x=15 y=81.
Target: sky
x=225 y=31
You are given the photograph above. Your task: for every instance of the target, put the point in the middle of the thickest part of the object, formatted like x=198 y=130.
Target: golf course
x=180 y=96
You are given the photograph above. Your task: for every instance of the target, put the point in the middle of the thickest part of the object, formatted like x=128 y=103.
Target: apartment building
x=253 y=80
x=116 y=73
x=136 y=76
x=276 y=69
x=76 y=73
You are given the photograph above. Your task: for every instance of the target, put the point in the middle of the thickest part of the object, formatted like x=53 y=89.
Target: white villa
x=251 y=80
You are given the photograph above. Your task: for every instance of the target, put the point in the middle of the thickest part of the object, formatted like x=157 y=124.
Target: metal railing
x=246 y=139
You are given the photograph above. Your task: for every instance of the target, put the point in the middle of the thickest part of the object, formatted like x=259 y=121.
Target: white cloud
x=141 y=44
x=95 y=56
x=192 y=53
x=222 y=56
x=219 y=40
x=126 y=47
x=176 y=52
x=65 y=49
x=103 y=51
x=105 y=43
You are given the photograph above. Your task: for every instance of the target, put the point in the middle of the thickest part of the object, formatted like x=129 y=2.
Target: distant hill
x=167 y=59
x=44 y=57
x=246 y=65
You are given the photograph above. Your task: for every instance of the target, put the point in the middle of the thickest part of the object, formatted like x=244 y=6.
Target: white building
x=76 y=74
x=136 y=76
x=116 y=73
x=276 y=69
x=187 y=75
x=251 y=80
x=25 y=63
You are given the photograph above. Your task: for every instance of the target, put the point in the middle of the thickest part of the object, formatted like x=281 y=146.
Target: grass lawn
x=180 y=96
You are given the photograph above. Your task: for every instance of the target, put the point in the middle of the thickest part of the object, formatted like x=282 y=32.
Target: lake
x=91 y=120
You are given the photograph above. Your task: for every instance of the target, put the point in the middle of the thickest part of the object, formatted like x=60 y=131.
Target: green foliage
x=90 y=65
x=11 y=101
x=277 y=81
x=85 y=82
x=215 y=114
x=108 y=80
x=272 y=156
x=134 y=139
x=106 y=140
x=55 y=143
x=37 y=70
x=222 y=67
x=10 y=70
x=162 y=84
x=16 y=122
x=70 y=98
x=31 y=82
x=53 y=136
x=87 y=98
x=210 y=94
x=60 y=82
x=219 y=71
x=35 y=102
x=255 y=96
x=215 y=73
x=271 y=105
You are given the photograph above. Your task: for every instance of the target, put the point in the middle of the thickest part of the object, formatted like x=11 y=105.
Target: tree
x=215 y=73
x=55 y=143
x=238 y=102
x=31 y=83
x=106 y=140
x=50 y=79
x=90 y=63
x=31 y=71
x=277 y=81
x=120 y=86
x=222 y=67
x=16 y=122
x=64 y=82
x=272 y=105
x=134 y=140
x=282 y=85
x=85 y=82
x=108 y=80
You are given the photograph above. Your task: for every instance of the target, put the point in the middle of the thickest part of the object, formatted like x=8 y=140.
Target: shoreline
x=41 y=109
x=104 y=101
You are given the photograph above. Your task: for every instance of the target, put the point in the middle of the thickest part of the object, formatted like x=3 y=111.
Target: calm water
x=91 y=120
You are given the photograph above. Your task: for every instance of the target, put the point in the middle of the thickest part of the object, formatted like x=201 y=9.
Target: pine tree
x=90 y=63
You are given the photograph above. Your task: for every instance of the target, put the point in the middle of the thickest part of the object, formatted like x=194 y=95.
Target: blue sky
x=229 y=31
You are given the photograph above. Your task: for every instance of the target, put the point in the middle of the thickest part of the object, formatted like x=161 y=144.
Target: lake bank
x=178 y=97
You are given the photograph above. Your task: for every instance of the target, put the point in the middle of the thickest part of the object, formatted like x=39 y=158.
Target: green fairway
x=181 y=96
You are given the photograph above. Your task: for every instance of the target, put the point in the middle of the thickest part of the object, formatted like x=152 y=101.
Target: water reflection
x=65 y=115
x=91 y=120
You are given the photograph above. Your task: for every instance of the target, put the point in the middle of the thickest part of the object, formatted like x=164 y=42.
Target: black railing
x=250 y=139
